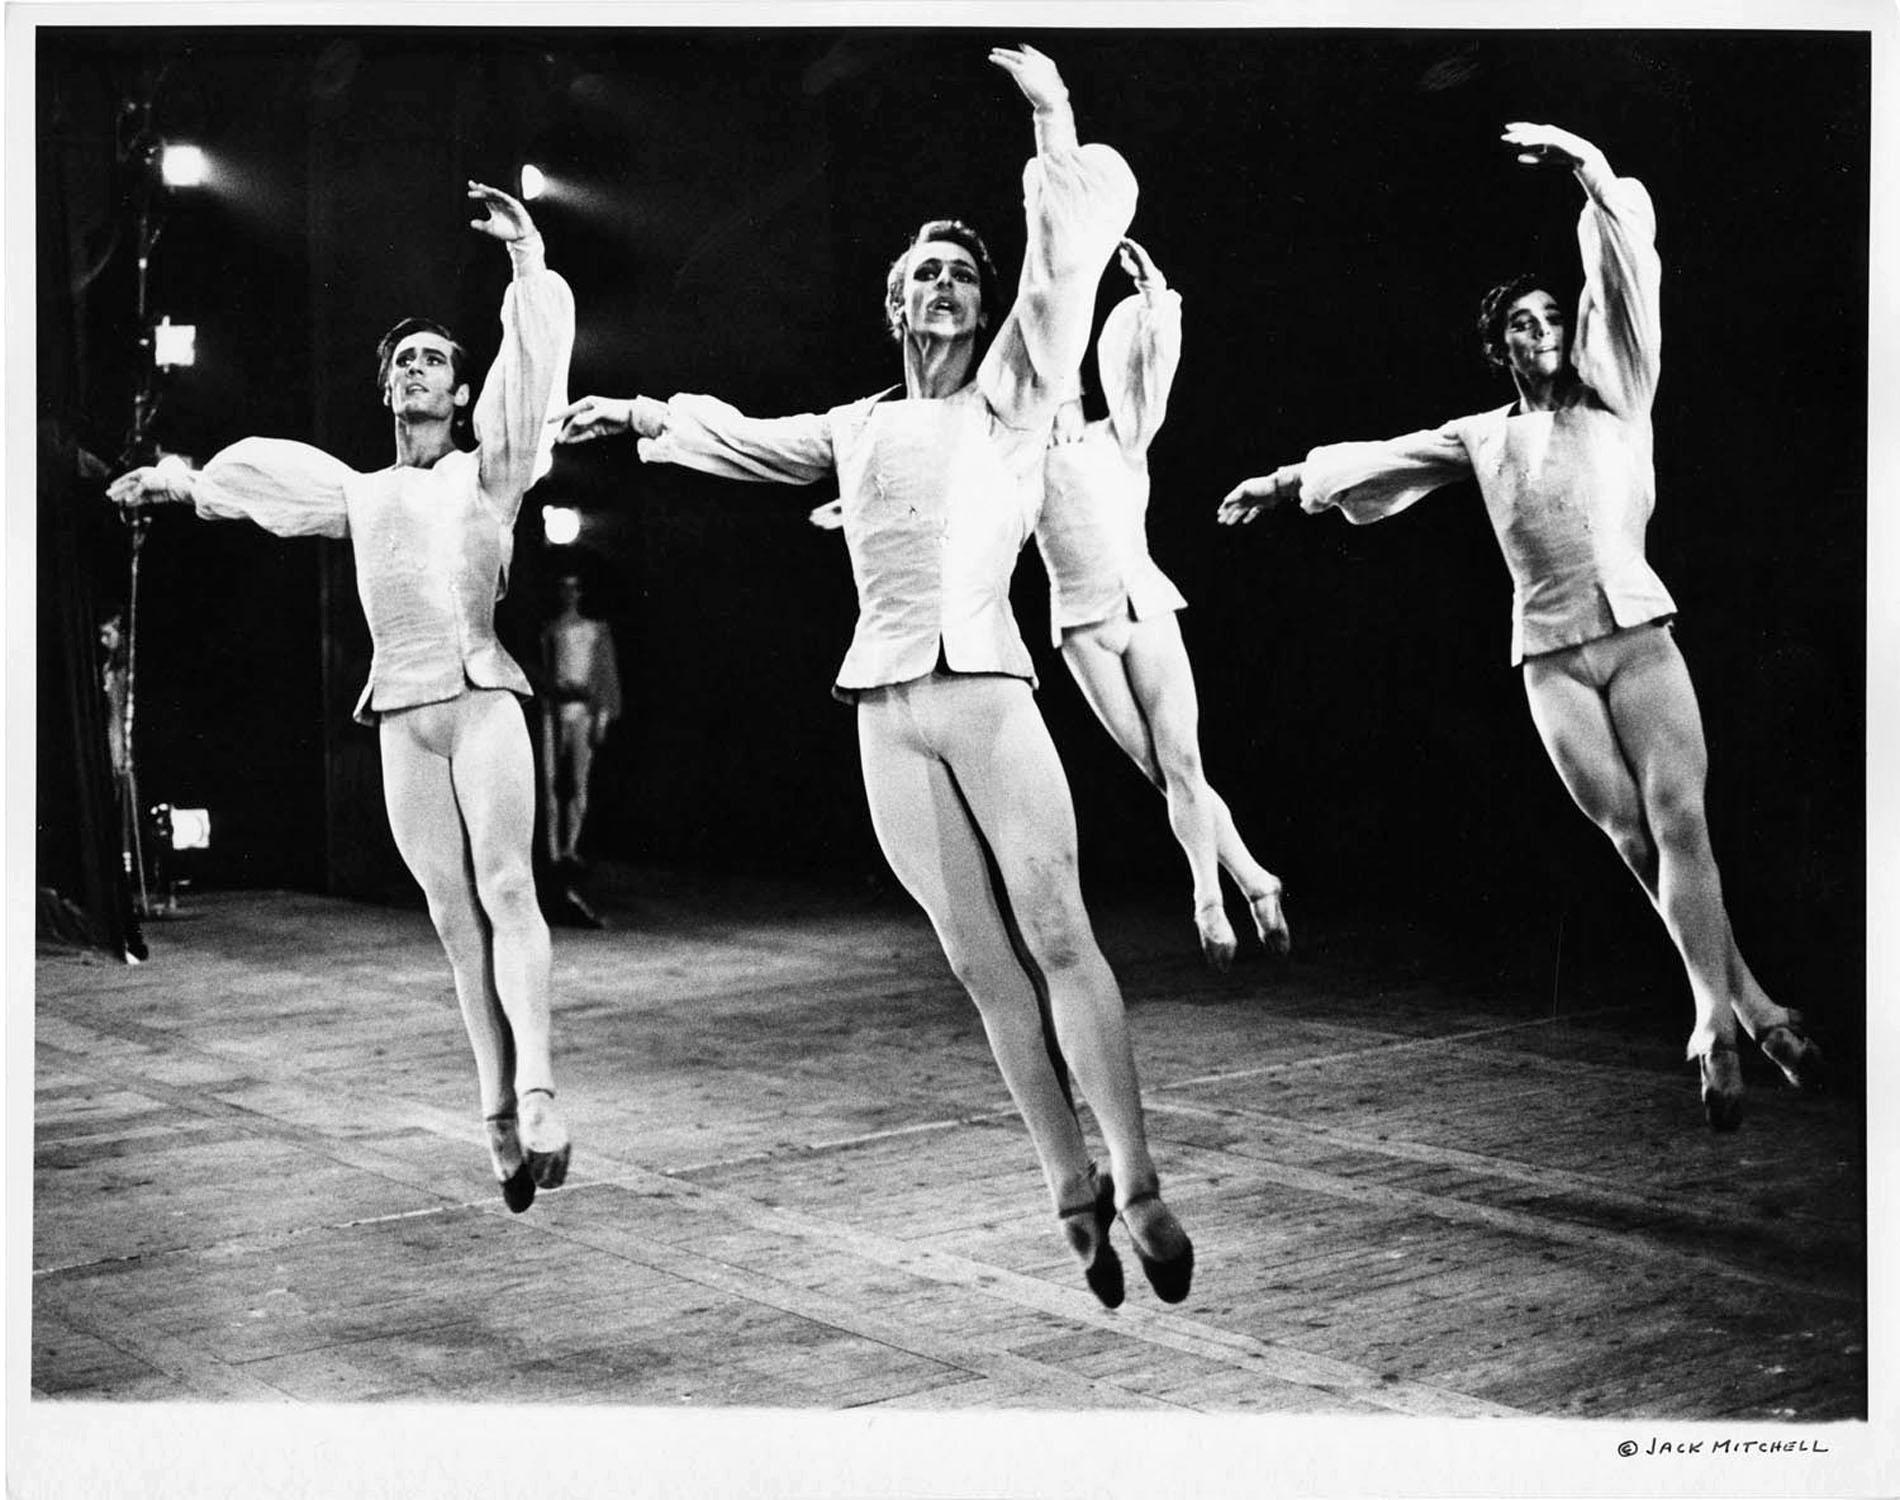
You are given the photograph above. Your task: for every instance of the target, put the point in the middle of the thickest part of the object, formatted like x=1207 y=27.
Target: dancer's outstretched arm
x=707 y=434
x=1245 y=502
x=290 y=489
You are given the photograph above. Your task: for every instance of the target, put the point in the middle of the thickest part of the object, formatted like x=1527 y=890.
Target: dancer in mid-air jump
x=938 y=485
x=1568 y=478
x=433 y=535
x=1112 y=611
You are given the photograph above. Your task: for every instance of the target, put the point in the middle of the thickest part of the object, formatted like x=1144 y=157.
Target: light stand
x=144 y=151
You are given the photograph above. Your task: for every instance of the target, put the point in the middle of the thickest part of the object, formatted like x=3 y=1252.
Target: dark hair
x=1496 y=307
x=955 y=232
x=463 y=423
x=386 y=349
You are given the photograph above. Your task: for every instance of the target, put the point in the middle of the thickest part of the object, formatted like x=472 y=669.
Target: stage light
x=174 y=344
x=182 y=827
x=191 y=828
x=182 y=166
x=560 y=524
x=533 y=183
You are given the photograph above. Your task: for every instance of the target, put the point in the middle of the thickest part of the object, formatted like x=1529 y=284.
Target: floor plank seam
x=1383 y=1048
x=1529 y=1225
x=1670 y=1205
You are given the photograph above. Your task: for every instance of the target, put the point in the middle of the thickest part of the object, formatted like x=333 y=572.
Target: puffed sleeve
x=527 y=381
x=705 y=433
x=1370 y=481
x=290 y=489
x=1617 y=346
x=1078 y=203
x=1137 y=352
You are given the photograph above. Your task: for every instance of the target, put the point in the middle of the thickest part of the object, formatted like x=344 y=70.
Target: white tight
x=1620 y=721
x=567 y=762
x=1135 y=674
x=954 y=763
x=458 y=780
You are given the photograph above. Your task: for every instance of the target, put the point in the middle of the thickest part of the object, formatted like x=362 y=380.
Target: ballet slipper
x=1086 y=1228
x=1721 y=1070
x=1161 y=1244
x=1790 y=1049
x=504 y=1146
x=544 y=1138
x=1217 y=936
x=1269 y=920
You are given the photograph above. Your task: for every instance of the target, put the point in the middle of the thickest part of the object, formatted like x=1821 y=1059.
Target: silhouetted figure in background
x=580 y=699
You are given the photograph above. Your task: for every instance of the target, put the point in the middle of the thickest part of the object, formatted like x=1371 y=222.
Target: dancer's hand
x=828 y=517
x=1035 y=74
x=507 y=216
x=1538 y=144
x=609 y=416
x=1139 y=264
x=166 y=482
x=1251 y=496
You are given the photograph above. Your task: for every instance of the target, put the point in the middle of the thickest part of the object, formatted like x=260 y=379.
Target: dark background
x=1331 y=204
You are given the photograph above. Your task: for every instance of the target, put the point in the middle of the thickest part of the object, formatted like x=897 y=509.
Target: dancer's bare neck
x=421 y=444
x=935 y=368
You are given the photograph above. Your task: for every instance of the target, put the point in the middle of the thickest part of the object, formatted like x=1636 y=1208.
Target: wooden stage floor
x=798 y=1184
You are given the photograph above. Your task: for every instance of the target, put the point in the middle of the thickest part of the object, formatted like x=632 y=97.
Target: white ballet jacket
x=1569 y=492
x=432 y=545
x=940 y=495
x=1093 y=532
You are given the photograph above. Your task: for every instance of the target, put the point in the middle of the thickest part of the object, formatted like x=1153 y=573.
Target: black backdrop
x=1329 y=202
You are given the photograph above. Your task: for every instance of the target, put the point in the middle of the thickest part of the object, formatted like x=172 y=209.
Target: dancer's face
x=943 y=291
x=1536 y=336
x=422 y=378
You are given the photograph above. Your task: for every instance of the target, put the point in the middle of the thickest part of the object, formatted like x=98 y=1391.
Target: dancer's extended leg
x=926 y=834
x=1137 y=678
x=1570 y=700
x=1653 y=706
x=1007 y=769
x=1163 y=681
x=493 y=774
x=419 y=794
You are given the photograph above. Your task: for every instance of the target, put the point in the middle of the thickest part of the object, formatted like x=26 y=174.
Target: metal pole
x=139 y=522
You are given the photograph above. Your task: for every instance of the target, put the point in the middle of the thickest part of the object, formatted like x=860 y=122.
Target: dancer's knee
x=1180 y=766
x=1677 y=819
x=991 y=977
x=459 y=925
x=1050 y=916
x=508 y=894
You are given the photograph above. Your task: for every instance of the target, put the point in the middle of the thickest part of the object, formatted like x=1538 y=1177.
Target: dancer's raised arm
x=1617 y=345
x=1078 y=201
x=529 y=376
x=1138 y=352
